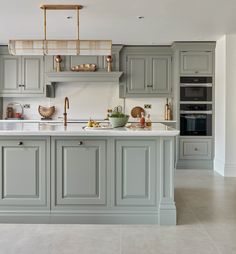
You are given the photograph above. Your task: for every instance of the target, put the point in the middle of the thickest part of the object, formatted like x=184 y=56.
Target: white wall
x=225 y=147
x=88 y=100
x=220 y=92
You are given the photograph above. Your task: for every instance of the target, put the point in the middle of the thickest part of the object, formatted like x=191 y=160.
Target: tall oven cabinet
x=193 y=79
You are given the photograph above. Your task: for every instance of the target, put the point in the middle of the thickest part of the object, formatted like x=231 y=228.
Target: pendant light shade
x=60 y=47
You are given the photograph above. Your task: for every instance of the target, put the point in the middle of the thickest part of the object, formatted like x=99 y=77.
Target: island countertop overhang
x=77 y=129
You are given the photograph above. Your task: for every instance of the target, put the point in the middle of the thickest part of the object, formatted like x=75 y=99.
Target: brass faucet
x=66 y=106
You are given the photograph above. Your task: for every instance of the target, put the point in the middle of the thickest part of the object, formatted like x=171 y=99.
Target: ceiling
x=164 y=21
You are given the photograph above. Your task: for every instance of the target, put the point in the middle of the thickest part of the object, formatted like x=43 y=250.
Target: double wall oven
x=196 y=106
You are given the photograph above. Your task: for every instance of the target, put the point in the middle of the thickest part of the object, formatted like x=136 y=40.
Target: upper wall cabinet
x=147 y=72
x=21 y=76
x=196 y=63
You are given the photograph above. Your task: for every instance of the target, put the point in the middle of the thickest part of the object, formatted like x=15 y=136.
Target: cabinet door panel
x=23 y=173
x=10 y=74
x=161 y=74
x=80 y=172
x=196 y=63
x=135 y=173
x=137 y=74
x=32 y=76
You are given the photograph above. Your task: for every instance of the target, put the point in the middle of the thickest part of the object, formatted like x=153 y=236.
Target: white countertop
x=131 y=120
x=76 y=129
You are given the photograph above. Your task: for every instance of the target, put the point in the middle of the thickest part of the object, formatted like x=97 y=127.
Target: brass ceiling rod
x=61 y=6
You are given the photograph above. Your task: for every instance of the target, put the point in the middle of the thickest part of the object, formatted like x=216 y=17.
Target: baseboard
x=60 y=218
x=219 y=166
x=225 y=169
x=195 y=164
x=230 y=170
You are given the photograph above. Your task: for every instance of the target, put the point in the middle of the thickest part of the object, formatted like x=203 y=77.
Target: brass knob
x=195 y=149
x=81 y=143
x=20 y=143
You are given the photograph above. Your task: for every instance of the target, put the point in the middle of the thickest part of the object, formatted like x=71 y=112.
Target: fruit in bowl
x=118 y=119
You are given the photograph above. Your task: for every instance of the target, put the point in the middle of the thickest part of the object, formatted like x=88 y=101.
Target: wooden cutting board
x=136 y=111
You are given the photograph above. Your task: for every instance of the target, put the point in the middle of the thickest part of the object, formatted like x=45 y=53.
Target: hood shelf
x=68 y=76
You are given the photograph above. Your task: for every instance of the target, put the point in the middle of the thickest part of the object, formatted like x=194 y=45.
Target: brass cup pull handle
x=20 y=143
x=80 y=143
x=149 y=85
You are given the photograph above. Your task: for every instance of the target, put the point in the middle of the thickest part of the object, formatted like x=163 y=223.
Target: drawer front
x=195 y=149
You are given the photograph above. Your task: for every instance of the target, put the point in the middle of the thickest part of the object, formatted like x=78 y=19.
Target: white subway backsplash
x=87 y=100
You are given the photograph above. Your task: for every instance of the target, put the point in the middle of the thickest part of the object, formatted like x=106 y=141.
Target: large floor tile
x=206 y=205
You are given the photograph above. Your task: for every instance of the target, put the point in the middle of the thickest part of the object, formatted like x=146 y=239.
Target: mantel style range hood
x=60 y=47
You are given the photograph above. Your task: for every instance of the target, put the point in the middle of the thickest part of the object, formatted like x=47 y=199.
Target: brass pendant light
x=60 y=47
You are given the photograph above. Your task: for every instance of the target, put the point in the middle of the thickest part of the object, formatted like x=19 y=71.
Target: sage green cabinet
x=21 y=76
x=196 y=63
x=32 y=75
x=160 y=77
x=191 y=149
x=10 y=77
x=137 y=74
x=148 y=75
x=24 y=174
x=147 y=72
x=78 y=173
x=135 y=170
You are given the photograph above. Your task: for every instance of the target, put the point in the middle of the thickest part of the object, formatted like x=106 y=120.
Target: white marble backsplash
x=87 y=100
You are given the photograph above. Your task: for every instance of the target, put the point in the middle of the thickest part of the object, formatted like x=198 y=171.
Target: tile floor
x=206 y=205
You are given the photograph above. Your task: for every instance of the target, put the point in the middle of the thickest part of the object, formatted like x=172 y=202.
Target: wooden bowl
x=46 y=112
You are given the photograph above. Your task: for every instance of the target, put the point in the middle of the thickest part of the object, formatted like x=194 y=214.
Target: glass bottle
x=142 y=120
x=148 y=121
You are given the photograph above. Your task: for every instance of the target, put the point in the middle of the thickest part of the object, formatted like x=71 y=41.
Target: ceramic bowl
x=118 y=121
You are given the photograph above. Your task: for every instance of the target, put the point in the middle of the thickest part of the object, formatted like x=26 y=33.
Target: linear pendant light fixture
x=60 y=47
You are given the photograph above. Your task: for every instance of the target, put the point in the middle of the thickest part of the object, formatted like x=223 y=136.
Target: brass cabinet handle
x=195 y=149
x=149 y=85
x=80 y=143
x=20 y=143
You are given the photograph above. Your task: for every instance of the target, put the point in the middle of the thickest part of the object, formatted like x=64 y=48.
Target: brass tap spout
x=66 y=106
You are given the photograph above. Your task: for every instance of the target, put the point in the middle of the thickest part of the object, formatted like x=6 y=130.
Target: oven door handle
x=209 y=112
x=196 y=85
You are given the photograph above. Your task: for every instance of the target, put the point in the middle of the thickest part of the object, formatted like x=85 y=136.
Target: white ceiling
x=165 y=20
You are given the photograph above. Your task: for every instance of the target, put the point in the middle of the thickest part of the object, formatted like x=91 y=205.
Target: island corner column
x=167 y=208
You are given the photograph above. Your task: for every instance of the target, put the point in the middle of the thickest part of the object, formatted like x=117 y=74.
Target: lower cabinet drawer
x=195 y=149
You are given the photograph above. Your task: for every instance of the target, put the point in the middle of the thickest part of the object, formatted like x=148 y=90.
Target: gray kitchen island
x=55 y=174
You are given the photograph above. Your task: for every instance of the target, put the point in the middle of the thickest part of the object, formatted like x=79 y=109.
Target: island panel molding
x=93 y=178
x=24 y=174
